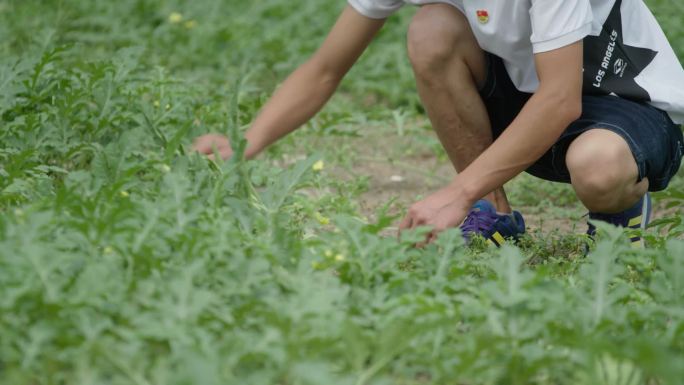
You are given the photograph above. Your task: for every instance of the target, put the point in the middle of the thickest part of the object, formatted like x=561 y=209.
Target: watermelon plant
x=127 y=259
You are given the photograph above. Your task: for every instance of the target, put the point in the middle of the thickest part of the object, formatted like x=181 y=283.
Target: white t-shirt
x=626 y=52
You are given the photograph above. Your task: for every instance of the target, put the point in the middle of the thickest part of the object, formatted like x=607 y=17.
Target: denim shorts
x=656 y=142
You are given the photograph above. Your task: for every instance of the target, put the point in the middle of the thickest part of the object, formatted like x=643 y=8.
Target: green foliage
x=126 y=260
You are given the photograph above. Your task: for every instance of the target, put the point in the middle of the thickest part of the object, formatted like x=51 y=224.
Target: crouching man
x=587 y=92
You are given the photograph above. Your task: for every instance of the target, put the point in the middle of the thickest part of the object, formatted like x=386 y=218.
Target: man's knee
x=600 y=163
x=435 y=34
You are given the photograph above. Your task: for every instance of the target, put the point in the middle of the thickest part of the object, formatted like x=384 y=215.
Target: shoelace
x=477 y=221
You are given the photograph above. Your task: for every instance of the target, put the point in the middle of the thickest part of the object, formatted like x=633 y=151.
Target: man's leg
x=450 y=67
x=603 y=172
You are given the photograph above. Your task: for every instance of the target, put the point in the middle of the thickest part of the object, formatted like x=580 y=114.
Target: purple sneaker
x=635 y=217
x=495 y=228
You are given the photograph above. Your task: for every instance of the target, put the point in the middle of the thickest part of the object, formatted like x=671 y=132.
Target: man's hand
x=205 y=145
x=441 y=210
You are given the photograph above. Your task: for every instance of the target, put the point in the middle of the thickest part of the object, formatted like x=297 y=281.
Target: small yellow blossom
x=190 y=24
x=328 y=253
x=156 y=103
x=168 y=106
x=175 y=18
x=318 y=166
x=165 y=168
x=124 y=194
x=108 y=250
x=339 y=257
x=321 y=219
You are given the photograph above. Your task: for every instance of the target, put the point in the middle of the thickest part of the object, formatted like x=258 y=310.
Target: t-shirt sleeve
x=376 y=9
x=558 y=23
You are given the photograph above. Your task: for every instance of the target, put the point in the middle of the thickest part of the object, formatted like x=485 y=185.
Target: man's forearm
x=298 y=99
x=531 y=134
x=305 y=92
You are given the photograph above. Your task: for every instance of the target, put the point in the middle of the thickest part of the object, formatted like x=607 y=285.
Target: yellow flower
x=328 y=253
x=124 y=194
x=190 y=24
x=321 y=219
x=175 y=18
x=318 y=166
x=156 y=103
x=339 y=257
x=108 y=250
x=165 y=168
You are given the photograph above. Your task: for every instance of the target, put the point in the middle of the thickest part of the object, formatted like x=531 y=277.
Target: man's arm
x=556 y=104
x=307 y=89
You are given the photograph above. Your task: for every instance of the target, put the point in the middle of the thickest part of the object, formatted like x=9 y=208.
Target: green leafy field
x=124 y=259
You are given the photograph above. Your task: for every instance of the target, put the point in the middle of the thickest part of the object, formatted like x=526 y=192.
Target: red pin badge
x=482 y=16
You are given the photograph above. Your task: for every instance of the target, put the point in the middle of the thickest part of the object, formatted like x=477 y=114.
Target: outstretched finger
x=223 y=153
x=436 y=230
x=201 y=148
x=433 y=236
x=406 y=222
x=429 y=237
